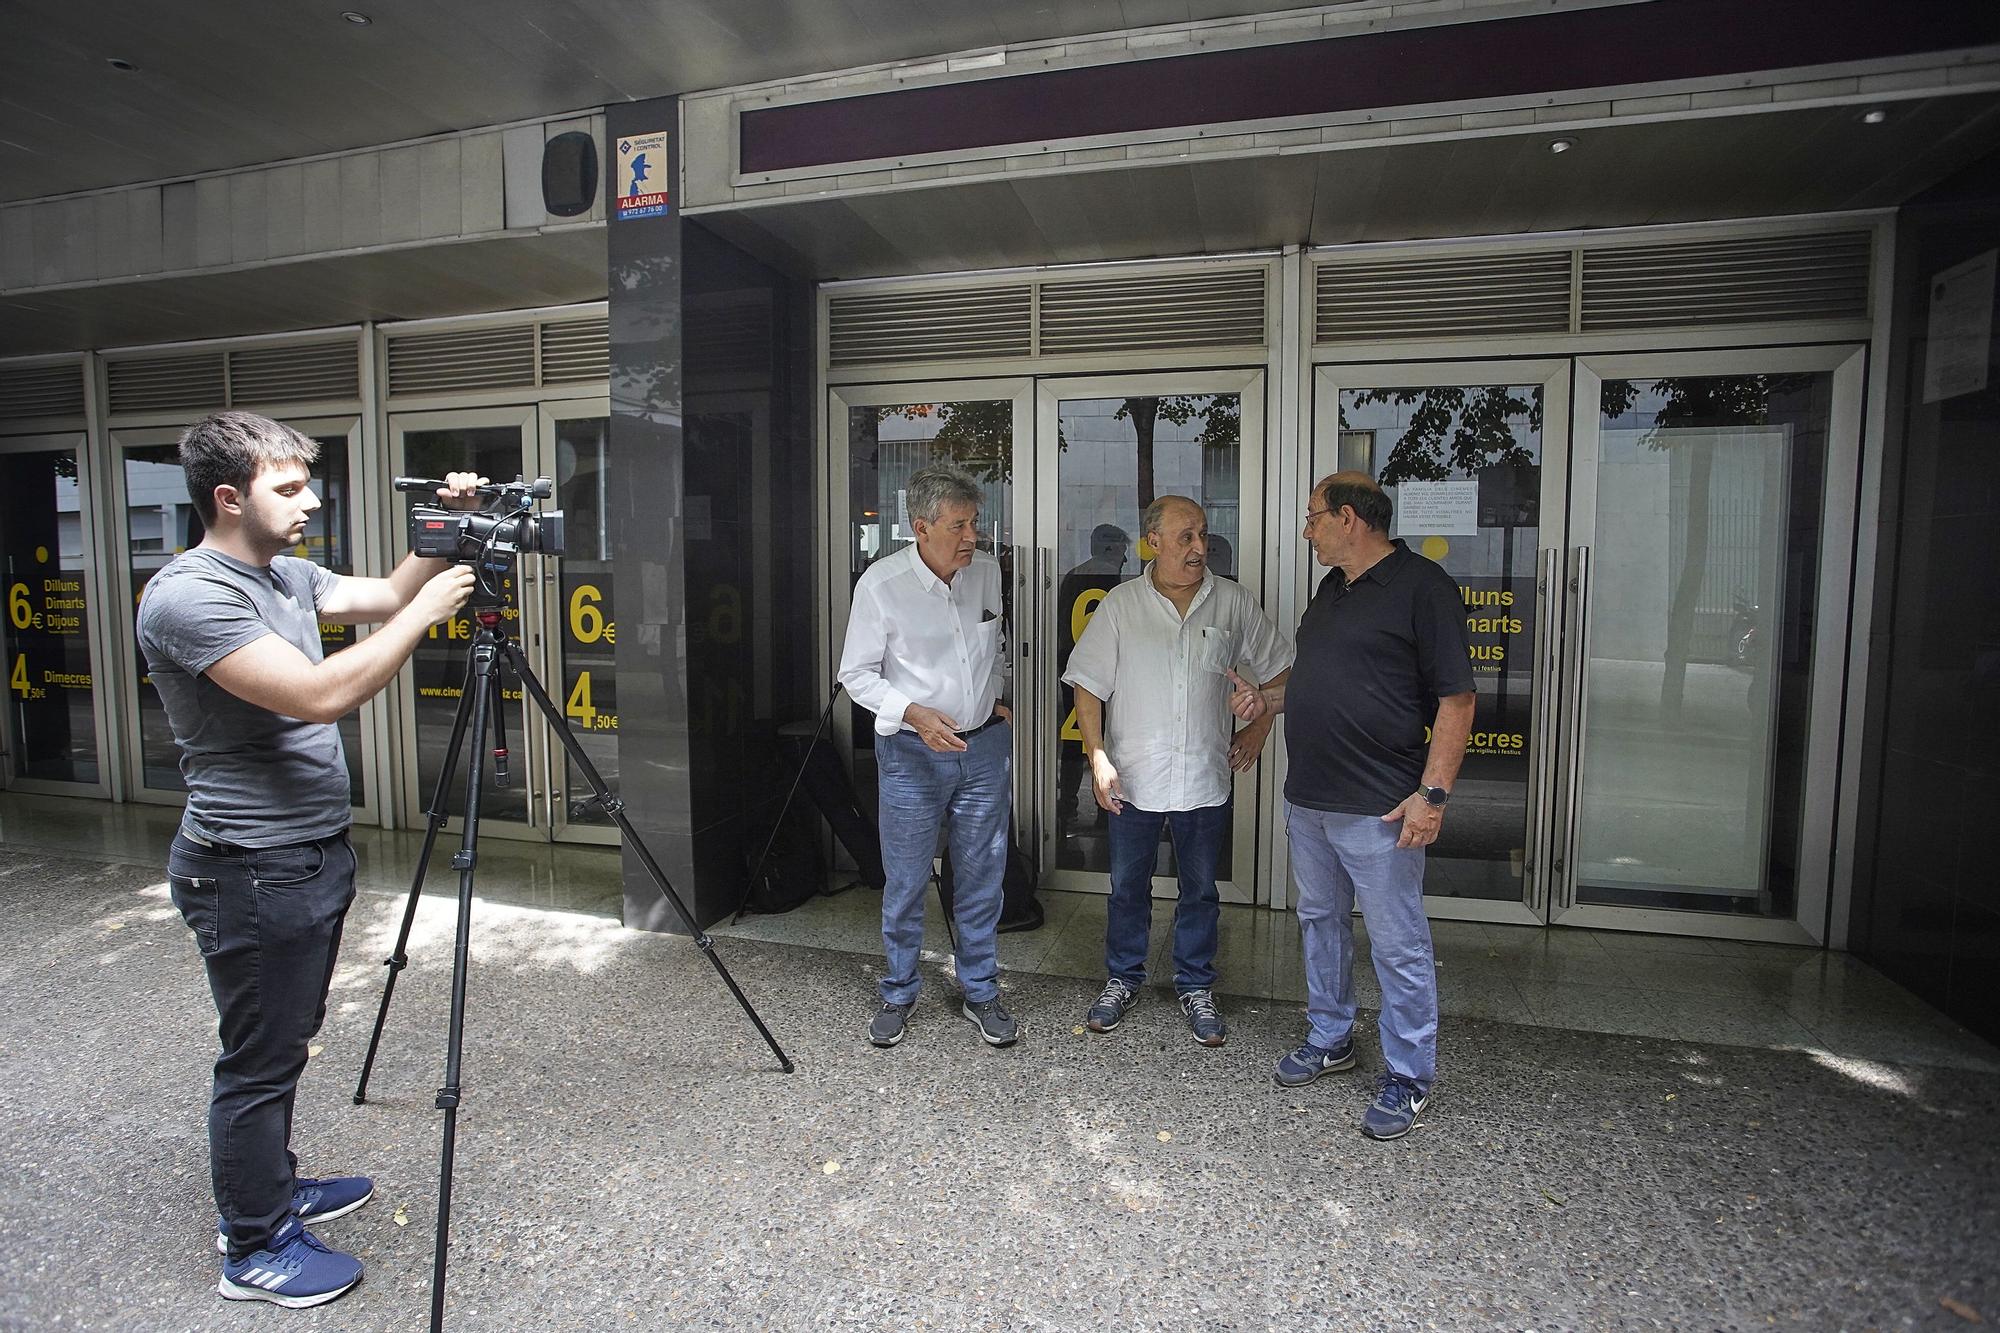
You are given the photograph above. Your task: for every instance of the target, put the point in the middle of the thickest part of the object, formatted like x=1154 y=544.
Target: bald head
x=1169 y=509
x=1356 y=491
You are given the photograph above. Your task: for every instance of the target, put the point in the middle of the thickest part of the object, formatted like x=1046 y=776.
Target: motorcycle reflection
x=1746 y=639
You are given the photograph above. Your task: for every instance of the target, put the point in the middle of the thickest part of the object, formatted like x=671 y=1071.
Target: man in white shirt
x=924 y=654
x=1159 y=651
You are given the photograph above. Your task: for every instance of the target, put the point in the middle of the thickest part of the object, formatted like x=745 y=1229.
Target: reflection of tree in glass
x=979 y=436
x=1454 y=429
x=1672 y=417
x=975 y=436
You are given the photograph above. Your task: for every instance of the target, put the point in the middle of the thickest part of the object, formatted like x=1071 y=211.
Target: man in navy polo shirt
x=1382 y=656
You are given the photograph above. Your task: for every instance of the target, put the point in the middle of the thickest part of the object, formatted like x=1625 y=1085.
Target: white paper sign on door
x=1447 y=508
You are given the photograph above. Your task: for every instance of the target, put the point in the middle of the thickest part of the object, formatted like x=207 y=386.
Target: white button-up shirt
x=913 y=638
x=1168 y=725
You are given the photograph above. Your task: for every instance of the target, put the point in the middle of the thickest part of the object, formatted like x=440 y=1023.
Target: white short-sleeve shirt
x=1168 y=724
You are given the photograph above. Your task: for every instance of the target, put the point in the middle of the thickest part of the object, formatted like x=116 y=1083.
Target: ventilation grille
x=571 y=351
x=168 y=383
x=1442 y=298
x=1221 y=308
x=1755 y=281
x=41 y=391
x=501 y=358
x=961 y=324
x=295 y=374
x=576 y=350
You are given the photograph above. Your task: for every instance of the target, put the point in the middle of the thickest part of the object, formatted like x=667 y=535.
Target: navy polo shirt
x=1374 y=659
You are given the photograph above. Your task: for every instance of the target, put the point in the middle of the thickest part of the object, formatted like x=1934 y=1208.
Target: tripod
x=480 y=706
x=756 y=871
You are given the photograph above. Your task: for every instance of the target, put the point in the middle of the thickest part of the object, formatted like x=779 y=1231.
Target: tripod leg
x=483 y=684
x=439 y=812
x=614 y=807
x=784 y=809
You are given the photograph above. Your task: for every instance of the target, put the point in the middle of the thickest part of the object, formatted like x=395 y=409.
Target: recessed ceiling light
x=124 y=66
x=1874 y=115
x=1561 y=145
x=356 y=17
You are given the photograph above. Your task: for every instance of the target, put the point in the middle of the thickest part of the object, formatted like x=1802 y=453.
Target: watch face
x=1435 y=795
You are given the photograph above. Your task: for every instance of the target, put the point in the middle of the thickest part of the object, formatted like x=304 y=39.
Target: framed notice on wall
x=1960 y=329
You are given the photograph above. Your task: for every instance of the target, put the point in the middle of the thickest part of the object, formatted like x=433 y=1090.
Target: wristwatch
x=1435 y=797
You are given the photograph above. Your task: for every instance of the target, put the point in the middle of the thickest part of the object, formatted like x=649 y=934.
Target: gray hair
x=1156 y=513
x=231 y=448
x=930 y=490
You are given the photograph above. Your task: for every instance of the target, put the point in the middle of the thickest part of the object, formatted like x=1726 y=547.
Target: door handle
x=1576 y=711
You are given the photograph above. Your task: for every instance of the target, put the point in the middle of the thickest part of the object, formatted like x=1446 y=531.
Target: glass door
x=160 y=521
x=1110 y=448
x=1706 y=580
x=561 y=616
x=55 y=713
x=878 y=437
x=1471 y=455
x=582 y=674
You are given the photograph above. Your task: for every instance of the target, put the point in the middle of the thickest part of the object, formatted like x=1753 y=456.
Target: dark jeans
x=267 y=923
x=1128 y=922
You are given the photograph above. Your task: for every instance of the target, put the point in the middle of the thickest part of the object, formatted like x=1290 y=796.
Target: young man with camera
x=261 y=868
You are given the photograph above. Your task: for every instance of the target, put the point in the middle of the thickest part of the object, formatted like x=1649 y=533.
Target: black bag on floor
x=793 y=872
x=828 y=788
x=1019 y=908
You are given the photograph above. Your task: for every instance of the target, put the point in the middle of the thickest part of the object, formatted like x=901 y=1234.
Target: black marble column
x=1925 y=911
x=710 y=527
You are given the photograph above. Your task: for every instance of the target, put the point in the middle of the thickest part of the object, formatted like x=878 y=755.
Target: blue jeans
x=1128 y=919
x=923 y=791
x=1337 y=859
x=267 y=924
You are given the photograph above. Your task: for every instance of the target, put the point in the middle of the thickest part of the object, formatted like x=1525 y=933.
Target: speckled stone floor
x=629 y=1156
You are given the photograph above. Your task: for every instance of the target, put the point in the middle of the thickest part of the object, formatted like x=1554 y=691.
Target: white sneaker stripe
x=275 y=1281
x=249 y=1276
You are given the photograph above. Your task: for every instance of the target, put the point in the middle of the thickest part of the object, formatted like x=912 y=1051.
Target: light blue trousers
x=1338 y=860
x=921 y=791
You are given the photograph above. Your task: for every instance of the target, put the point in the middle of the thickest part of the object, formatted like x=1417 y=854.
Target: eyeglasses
x=1312 y=514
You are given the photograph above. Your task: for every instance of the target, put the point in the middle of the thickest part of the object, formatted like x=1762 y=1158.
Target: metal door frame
x=411 y=798
x=1839 y=501
x=1243 y=882
x=546 y=652
x=1553 y=374
x=95 y=586
x=838 y=594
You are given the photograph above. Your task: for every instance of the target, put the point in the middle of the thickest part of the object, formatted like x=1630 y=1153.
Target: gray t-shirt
x=255 y=778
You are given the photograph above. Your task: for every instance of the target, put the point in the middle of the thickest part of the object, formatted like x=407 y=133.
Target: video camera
x=491 y=539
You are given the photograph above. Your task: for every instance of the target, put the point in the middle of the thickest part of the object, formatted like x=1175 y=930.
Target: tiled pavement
x=629 y=1157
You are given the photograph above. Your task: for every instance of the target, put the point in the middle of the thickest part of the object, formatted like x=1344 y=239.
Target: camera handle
x=480 y=705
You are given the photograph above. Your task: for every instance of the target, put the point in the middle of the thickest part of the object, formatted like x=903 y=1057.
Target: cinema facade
x=1670 y=337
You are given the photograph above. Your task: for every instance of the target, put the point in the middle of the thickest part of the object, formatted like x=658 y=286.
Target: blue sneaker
x=1397 y=1105
x=317 y=1200
x=1308 y=1062
x=293 y=1270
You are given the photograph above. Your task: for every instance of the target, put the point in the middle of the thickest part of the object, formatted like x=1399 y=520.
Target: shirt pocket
x=1217 y=650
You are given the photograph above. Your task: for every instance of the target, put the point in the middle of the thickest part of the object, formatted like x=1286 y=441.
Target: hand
x=1248 y=744
x=1104 y=783
x=461 y=490
x=1003 y=712
x=936 y=730
x=1248 y=702
x=443 y=594
x=1421 y=821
